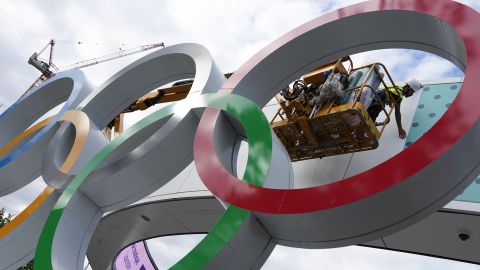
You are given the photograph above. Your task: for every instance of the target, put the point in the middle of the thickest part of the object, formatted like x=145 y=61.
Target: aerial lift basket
x=334 y=128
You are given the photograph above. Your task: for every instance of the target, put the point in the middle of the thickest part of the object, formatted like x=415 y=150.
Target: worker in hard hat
x=393 y=97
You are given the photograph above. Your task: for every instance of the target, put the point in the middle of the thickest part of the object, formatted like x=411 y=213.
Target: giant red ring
x=460 y=119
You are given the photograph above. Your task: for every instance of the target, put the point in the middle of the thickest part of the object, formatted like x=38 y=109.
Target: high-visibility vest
x=394 y=95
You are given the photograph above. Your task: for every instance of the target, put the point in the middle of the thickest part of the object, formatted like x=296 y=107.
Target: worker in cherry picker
x=393 y=97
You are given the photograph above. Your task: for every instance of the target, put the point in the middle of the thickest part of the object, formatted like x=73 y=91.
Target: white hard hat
x=414 y=84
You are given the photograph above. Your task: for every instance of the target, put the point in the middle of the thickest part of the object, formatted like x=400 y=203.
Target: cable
x=94 y=43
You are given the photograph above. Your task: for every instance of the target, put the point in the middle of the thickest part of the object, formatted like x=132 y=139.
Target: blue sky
x=233 y=31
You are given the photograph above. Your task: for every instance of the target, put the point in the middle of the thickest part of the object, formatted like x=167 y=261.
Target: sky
x=232 y=31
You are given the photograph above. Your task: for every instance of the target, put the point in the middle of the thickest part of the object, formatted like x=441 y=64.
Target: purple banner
x=134 y=257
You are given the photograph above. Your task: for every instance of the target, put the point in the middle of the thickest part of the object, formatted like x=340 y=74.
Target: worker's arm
x=398 y=118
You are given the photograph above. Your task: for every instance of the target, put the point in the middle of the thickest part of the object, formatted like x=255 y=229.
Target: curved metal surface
x=16 y=245
x=236 y=225
x=22 y=163
x=156 y=69
x=168 y=217
x=397 y=192
x=139 y=157
x=197 y=214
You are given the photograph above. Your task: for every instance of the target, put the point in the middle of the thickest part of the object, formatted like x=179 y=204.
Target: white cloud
x=15 y=202
x=404 y=64
x=475 y=4
x=172 y=248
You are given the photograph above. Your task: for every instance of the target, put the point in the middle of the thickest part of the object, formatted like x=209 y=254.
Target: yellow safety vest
x=394 y=95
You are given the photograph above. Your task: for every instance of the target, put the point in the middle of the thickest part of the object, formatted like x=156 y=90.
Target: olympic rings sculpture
x=88 y=176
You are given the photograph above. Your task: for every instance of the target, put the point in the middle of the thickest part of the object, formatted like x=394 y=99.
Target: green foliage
x=4 y=219
x=29 y=266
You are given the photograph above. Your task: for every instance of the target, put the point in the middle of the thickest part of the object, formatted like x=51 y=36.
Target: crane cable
x=94 y=43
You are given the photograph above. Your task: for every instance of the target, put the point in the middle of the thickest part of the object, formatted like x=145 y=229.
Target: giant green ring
x=258 y=132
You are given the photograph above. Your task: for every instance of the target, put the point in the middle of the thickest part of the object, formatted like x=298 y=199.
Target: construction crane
x=49 y=69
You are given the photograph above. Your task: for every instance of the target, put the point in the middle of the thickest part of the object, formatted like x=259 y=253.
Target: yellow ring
x=82 y=125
